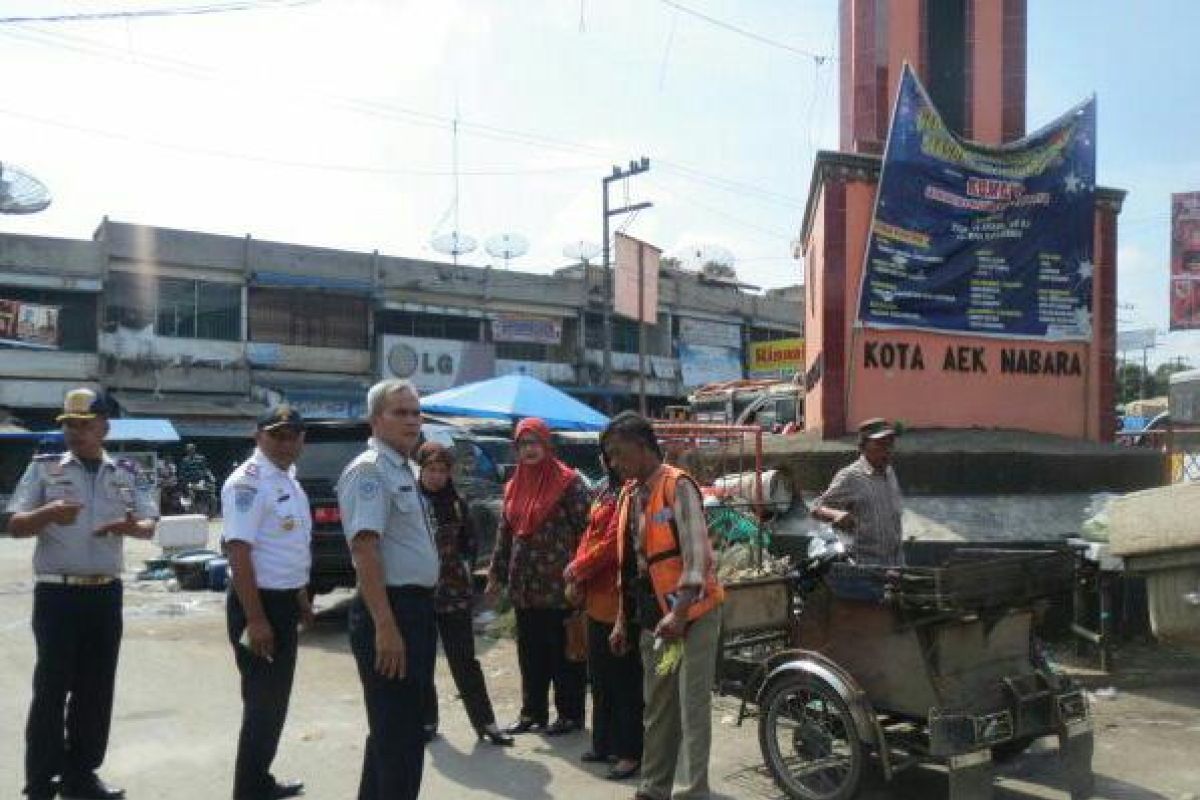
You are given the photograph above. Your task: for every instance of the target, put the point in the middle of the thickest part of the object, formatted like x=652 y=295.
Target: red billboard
x=1185 y=261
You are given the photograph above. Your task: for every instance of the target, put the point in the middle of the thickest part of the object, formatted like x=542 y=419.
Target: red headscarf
x=535 y=489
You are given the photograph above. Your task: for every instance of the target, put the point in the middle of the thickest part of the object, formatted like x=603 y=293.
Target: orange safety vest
x=661 y=542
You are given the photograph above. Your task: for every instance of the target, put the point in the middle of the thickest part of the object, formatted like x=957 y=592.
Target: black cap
x=280 y=416
x=877 y=428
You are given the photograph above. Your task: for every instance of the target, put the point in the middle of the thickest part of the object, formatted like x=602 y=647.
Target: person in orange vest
x=669 y=587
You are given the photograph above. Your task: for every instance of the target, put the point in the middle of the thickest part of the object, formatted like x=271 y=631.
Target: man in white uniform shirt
x=267 y=533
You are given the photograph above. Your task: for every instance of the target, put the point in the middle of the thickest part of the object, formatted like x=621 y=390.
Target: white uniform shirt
x=265 y=507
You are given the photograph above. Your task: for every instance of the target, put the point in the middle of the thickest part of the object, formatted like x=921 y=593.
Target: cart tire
x=790 y=747
x=1007 y=751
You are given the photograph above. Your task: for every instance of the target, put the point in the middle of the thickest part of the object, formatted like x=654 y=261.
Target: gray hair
x=377 y=395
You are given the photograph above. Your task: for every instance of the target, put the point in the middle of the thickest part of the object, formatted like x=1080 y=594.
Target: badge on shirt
x=252 y=470
x=288 y=523
x=368 y=489
x=243 y=498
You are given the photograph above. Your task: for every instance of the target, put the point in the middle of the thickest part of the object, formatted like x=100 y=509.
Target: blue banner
x=991 y=241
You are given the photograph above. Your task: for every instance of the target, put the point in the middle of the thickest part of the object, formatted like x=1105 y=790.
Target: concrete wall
x=309 y=359
x=44 y=254
x=17 y=364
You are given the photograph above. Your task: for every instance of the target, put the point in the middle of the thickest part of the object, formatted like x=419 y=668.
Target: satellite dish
x=702 y=255
x=20 y=192
x=454 y=244
x=582 y=250
x=507 y=246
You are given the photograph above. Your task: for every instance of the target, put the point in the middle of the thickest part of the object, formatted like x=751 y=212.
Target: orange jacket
x=595 y=564
x=663 y=558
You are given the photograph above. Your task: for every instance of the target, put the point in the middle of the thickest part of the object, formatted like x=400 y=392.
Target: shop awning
x=196 y=415
x=119 y=430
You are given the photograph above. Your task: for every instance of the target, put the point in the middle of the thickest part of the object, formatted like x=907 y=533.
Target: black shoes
x=90 y=788
x=618 y=774
x=495 y=736
x=286 y=789
x=524 y=726
x=561 y=727
x=592 y=757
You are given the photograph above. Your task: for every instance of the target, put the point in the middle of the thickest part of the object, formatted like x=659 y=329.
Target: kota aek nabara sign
x=977 y=359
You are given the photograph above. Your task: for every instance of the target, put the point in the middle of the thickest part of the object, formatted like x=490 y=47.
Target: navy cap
x=86 y=404
x=280 y=416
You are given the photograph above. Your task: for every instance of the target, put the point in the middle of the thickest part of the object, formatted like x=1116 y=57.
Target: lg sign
x=405 y=362
x=436 y=364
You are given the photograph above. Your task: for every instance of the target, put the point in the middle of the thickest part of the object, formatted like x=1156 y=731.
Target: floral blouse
x=532 y=566
x=456 y=544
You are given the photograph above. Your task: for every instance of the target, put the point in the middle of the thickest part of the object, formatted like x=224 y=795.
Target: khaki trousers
x=678 y=715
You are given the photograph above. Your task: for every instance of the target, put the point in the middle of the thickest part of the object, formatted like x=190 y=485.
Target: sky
x=331 y=122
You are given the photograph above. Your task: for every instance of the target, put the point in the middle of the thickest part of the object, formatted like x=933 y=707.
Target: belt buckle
x=88 y=580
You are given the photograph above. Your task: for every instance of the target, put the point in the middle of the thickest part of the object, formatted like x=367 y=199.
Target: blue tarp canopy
x=119 y=430
x=514 y=397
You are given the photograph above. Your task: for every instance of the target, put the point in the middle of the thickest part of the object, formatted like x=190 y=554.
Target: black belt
x=411 y=590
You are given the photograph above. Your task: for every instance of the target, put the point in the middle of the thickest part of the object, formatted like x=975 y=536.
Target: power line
x=819 y=58
x=282 y=162
x=394 y=112
x=182 y=11
x=725 y=215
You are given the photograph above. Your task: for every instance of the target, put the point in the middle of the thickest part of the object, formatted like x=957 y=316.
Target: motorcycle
x=199 y=497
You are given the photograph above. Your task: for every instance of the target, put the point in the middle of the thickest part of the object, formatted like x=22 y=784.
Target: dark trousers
x=394 y=756
x=458 y=643
x=541 y=654
x=77 y=630
x=266 y=689
x=616 y=693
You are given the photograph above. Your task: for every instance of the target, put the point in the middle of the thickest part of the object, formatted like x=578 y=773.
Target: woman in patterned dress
x=545 y=513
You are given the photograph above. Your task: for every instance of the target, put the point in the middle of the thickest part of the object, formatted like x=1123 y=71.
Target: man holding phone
x=80 y=505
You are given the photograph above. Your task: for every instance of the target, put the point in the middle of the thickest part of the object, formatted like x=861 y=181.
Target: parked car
x=331 y=445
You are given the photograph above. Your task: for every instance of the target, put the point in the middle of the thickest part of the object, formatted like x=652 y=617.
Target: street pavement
x=177 y=713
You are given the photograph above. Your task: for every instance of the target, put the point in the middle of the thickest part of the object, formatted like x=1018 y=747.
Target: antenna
x=582 y=250
x=454 y=244
x=507 y=246
x=20 y=192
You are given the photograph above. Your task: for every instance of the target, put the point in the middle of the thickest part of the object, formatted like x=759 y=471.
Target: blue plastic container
x=218 y=574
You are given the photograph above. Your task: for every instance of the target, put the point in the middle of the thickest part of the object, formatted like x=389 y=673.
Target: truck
x=772 y=404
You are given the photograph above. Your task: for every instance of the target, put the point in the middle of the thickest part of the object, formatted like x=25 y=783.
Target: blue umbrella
x=515 y=397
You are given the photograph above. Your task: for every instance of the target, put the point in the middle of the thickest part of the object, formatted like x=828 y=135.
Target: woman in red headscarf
x=545 y=513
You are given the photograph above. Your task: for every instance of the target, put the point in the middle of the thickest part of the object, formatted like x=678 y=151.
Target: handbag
x=576 y=638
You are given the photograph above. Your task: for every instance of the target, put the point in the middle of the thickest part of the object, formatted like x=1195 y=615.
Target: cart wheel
x=809 y=740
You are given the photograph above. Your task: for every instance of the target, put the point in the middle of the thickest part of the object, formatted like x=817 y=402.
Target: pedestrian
x=267 y=532
x=616 y=678
x=80 y=505
x=544 y=516
x=457 y=546
x=668 y=576
x=864 y=501
x=393 y=623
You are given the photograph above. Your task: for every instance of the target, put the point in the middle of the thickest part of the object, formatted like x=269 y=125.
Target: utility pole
x=635 y=168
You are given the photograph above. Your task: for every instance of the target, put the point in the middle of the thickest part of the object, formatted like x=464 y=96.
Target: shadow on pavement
x=492 y=769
